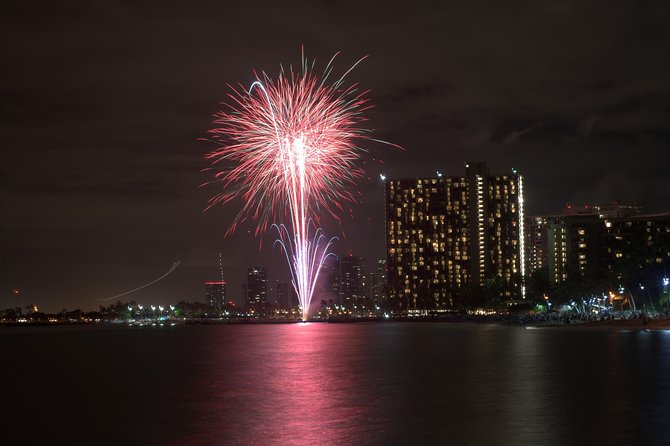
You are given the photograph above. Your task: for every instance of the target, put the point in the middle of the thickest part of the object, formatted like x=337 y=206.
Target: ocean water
x=334 y=384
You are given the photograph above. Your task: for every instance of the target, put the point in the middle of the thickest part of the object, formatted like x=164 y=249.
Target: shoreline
x=660 y=324
x=628 y=324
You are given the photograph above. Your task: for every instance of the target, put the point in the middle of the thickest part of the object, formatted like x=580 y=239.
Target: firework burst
x=287 y=148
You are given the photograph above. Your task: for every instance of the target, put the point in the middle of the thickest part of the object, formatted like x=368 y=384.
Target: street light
x=651 y=302
x=665 y=281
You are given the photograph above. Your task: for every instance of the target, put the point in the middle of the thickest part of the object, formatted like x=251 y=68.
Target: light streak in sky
x=174 y=266
x=287 y=149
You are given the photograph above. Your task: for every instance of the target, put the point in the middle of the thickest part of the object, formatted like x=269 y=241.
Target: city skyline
x=598 y=217
x=104 y=109
x=335 y=223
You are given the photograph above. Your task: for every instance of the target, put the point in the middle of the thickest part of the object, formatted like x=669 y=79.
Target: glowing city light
x=290 y=142
x=382 y=177
x=522 y=236
x=666 y=281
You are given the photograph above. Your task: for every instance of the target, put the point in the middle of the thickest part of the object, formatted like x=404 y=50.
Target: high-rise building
x=583 y=236
x=332 y=279
x=444 y=233
x=256 y=289
x=566 y=246
x=352 y=285
x=376 y=283
x=537 y=245
x=585 y=240
x=215 y=295
x=557 y=247
x=638 y=241
x=284 y=296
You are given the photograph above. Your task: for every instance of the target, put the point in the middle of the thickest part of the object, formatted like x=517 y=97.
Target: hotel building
x=592 y=241
x=445 y=233
x=641 y=239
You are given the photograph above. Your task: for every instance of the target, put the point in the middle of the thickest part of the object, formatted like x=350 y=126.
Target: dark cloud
x=104 y=102
x=514 y=137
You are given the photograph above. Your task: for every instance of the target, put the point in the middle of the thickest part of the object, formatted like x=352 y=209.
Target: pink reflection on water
x=310 y=390
x=288 y=384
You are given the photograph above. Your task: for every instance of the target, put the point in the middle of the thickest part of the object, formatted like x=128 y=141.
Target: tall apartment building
x=444 y=233
x=215 y=295
x=612 y=240
x=584 y=245
x=376 y=283
x=285 y=297
x=255 y=290
x=352 y=285
x=564 y=245
x=330 y=278
x=537 y=244
x=641 y=241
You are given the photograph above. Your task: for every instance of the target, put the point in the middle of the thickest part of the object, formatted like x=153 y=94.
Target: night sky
x=103 y=105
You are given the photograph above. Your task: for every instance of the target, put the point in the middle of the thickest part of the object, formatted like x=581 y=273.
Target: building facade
x=256 y=289
x=284 y=296
x=597 y=241
x=330 y=275
x=446 y=233
x=376 y=283
x=565 y=246
x=537 y=244
x=215 y=295
x=352 y=286
x=637 y=243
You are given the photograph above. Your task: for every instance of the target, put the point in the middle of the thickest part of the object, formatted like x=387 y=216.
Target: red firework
x=259 y=134
x=291 y=145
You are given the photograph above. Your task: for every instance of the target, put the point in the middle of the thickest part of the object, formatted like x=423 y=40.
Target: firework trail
x=174 y=266
x=291 y=144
